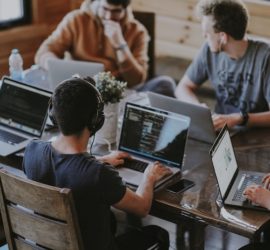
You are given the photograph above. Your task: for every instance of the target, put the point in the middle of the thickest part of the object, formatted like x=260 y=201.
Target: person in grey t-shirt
x=237 y=67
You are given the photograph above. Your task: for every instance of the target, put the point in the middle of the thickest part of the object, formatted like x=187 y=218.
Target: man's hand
x=258 y=195
x=115 y=158
x=156 y=171
x=114 y=33
x=231 y=120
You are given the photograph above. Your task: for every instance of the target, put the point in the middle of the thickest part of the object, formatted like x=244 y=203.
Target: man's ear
x=223 y=38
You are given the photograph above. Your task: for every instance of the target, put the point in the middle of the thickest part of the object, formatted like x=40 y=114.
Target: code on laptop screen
x=23 y=107
x=154 y=134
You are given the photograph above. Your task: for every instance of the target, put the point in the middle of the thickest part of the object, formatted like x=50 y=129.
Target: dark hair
x=230 y=16
x=74 y=105
x=124 y=3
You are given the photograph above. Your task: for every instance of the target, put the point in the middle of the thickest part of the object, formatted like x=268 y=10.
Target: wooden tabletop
x=202 y=202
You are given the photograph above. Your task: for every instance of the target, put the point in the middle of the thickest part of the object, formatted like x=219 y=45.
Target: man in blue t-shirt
x=238 y=68
x=77 y=108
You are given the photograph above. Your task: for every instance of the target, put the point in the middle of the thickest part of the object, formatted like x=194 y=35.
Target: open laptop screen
x=60 y=70
x=154 y=134
x=23 y=107
x=224 y=161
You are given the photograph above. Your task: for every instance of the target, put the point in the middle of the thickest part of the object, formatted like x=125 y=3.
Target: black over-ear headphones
x=95 y=122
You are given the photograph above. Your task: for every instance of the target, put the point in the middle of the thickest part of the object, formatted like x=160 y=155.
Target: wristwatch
x=245 y=118
x=121 y=46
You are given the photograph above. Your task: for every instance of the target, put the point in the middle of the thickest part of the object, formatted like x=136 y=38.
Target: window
x=14 y=12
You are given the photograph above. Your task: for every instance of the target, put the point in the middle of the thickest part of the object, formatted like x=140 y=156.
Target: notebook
x=201 y=127
x=148 y=135
x=232 y=181
x=23 y=114
x=60 y=70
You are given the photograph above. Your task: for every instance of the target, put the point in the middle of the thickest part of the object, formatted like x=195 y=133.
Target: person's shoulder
x=133 y=24
x=78 y=15
x=35 y=149
x=261 y=49
x=36 y=144
x=261 y=44
x=205 y=47
x=205 y=51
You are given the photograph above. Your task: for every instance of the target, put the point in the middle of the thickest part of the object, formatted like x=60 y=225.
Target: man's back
x=95 y=187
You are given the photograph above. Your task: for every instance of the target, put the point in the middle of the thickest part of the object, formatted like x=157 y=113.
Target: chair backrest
x=148 y=20
x=37 y=216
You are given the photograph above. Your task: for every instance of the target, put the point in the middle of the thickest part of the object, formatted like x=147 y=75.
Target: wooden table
x=201 y=205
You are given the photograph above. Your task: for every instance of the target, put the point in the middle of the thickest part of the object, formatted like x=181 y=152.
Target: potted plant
x=112 y=91
x=110 y=88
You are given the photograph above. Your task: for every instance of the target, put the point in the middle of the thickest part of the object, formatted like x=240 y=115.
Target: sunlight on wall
x=11 y=9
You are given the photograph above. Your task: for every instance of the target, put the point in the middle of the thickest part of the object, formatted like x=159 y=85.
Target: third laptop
x=23 y=114
x=60 y=70
x=232 y=181
x=201 y=127
x=148 y=135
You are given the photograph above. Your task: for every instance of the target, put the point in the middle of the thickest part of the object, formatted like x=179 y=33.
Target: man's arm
x=132 y=64
x=139 y=203
x=130 y=69
x=43 y=56
x=57 y=43
x=185 y=91
x=261 y=119
x=115 y=158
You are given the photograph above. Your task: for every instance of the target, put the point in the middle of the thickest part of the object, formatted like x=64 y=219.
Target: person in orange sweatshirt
x=105 y=31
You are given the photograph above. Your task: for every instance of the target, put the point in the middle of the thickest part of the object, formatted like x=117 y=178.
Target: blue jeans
x=164 y=85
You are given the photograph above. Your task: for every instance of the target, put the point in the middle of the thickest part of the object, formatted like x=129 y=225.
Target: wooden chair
x=148 y=20
x=37 y=216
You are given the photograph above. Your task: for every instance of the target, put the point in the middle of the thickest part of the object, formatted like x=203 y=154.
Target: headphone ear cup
x=100 y=122
x=51 y=115
x=97 y=122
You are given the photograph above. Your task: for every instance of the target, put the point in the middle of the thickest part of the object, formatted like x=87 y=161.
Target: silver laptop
x=60 y=70
x=232 y=181
x=201 y=127
x=23 y=114
x=148 y=135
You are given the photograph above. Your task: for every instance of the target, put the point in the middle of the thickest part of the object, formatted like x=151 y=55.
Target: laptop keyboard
x=136 y=165
x=248 y=180
x=10 y=138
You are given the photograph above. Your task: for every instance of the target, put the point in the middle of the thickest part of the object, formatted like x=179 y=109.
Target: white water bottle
x=16 y=65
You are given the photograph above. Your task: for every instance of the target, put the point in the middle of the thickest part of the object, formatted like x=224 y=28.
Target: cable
x=93 y=139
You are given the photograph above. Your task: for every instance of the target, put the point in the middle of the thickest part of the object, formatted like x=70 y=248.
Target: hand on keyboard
x=156 y=171
x=115 y=158
x=258 y=194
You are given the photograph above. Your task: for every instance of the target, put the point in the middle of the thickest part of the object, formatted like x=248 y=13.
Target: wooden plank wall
x=45 y=16
x=178 y=32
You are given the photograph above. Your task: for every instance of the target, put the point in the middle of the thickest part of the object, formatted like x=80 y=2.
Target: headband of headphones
x=95 y=122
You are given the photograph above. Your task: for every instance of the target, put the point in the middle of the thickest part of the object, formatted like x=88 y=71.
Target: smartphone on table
x=180 y=186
